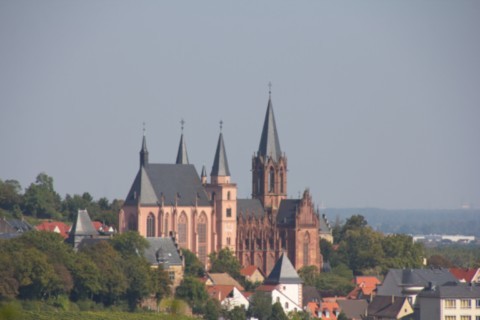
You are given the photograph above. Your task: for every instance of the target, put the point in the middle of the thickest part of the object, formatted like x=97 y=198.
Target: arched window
x=202 y=238
x=150 y=225
x=166 y=226
x=281 y=181
x=306 y=248
x=182 y=230
x=271 y=181
x=228 y=195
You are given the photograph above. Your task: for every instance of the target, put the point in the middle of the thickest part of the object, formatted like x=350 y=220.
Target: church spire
x=182 y=156
x=269 y=142
x=220 y=163
x=144 y=151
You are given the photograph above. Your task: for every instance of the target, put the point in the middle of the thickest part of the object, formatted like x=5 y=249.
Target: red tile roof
x=219 y=292
x=466 y=275
x=54 y=226
x=248 y=271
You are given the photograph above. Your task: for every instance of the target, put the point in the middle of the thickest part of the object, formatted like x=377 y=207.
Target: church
x=205 y=215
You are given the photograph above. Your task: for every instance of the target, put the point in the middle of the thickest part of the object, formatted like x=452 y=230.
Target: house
x=353 y=309
x=54 y=226
x=284 y=285
x=229 y=296
x=325 y=229
x=409 y=282
x=206 y=215
x=103 y=228
x=164 y=252
x=222 y=279
x=365 y=287
x=469 y=275
x=451 y=301
x=389 y=308
x=10 y=228
x=252 y=274
x=329 y=309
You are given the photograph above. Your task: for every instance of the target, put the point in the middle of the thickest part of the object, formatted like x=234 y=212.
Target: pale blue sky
x=376 y=102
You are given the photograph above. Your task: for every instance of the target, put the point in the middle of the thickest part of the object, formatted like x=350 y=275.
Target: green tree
x=260 y=306
x=161 y=283
x=10 y=195
x=139 y=278
x=194 y=292
x=41 y=200
x=193 y=266
x=86 y=278
x=225 y=261
x=237 y=313
x=401 y=252
x=362 y=248
x=277 y=312
x=326 y=248
x=212 y=310
x=309 y=275
x=130 y=243
x=342 y=316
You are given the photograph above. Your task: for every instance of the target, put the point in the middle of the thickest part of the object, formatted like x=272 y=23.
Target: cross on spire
x=270 y=88
x=221 y=125
x=182 y=123
x=143 y=128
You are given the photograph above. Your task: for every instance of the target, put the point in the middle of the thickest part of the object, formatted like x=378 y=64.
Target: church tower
x=223 y=195
x=182 y=156
x=144 y=153
x=269 y=165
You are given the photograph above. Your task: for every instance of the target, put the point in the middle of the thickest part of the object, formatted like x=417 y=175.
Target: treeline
x=38 y=265
x=360 y=250
x=41 y=201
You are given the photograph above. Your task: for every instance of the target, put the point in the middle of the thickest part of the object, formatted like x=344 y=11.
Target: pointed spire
x=204 y=175
x=220 y=163
x=182 y=156
x=144 y=151
x=283 y=272
x=269 y=142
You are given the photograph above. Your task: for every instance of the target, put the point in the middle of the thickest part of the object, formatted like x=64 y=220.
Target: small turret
x=182 y=156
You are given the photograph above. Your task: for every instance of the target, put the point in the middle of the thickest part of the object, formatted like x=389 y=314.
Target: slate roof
x=283 y=272
x=452 y=290
x=269 y=142
x=353 y=309
x=396 y=279
x=310 y=294
x=83 y=226
x=182 y=156
x=162 y=251
x=250 y=207
x=324 y=225
x=18 y=225
x=386 y=306
x=174 y=182
x=220 y=162
x=287 y=212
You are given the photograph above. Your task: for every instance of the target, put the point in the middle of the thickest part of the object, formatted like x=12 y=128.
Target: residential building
x=365 y=287
x=229 y=296
x=54 y=226
x=252 y=274
x=10 y=228
x=468 y=275
x=353 y=309
x=451 y=301
x=389 y=308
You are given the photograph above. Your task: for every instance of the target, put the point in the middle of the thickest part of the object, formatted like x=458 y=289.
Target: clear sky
x=377 y=103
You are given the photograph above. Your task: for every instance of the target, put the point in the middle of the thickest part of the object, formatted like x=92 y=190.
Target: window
x=465 y=303
x=132 y=223
x=465 y=317
x=171 y=275
x=281 y=181
x=166 y=226
x=278 y=299
x=450 y=304
x=202 y=232
x=182 y=230
x=202 y=254
x=450 y=318
x=150 y=225
x=477 y=318
x=229 y=212
x=306 y=254
x=228 y=240
x=478 y=303
x=286 y=305
x=228 y=195
x=271 y=180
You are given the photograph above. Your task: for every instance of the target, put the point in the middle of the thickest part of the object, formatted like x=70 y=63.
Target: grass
x=97 y=315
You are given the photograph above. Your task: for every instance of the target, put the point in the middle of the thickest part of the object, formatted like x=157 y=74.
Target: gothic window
x=281 y=181
x=306 y=254
x=202 y=238
x=229 y=212
x=213 y=196
x=271 y=181
x=182 y=230
x=166 y=225
x=150 y=225
x=228 y=240
x=228 y=195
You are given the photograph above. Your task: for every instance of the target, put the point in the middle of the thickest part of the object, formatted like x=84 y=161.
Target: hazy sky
x=376 y=102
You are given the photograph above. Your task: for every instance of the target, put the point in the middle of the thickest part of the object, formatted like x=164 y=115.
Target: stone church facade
x=206 y=216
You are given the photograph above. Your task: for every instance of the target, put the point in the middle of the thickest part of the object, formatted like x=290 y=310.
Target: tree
x=401 y=252
x=161 y=283
x=309 y=275
x=237 y=313
x=326 y=248
x=193 y=266
x=41 y=200
x=130 y=243
x=438 y=261
x=139 y=277
x=194 y=292
x=212 y=310
x=10 y=197
x=342 y=316
x=362 y=248
x=86 y=278
x=260 y=306
x=277 y=312
x=225 y=261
